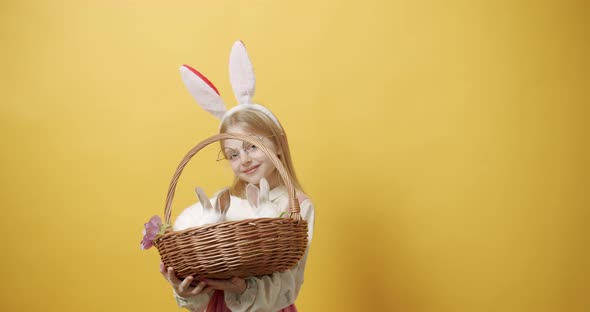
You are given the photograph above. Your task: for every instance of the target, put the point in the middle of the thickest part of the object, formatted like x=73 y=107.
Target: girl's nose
x=244 y=157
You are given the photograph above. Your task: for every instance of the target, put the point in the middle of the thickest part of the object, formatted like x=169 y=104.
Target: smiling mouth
x=251 y=170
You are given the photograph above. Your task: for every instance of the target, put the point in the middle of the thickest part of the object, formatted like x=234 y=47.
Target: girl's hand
x=235 y=284
x=183 y=288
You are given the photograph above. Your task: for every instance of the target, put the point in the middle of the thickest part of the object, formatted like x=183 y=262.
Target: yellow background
x=444 y=144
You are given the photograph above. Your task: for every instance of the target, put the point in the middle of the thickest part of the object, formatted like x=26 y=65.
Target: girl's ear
x=278 y=150
x=252 y=195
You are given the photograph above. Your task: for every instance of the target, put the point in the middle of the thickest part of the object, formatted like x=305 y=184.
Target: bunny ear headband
x=241 y=75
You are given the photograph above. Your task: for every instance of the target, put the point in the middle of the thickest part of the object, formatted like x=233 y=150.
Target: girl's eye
x=250 y=148
x=233 y=156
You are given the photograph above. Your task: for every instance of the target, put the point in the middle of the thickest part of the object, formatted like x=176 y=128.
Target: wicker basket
x=234 y=248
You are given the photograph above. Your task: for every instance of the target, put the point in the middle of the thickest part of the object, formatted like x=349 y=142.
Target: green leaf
x=163 y=228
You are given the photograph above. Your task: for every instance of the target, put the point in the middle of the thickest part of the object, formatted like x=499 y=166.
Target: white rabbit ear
x=241 y=73
x=252 y=195
x=203 y=198
x=203 y=91
x=223 y=201
x=263 y=197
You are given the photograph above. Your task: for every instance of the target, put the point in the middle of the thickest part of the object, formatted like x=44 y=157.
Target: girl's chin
x=254 y=179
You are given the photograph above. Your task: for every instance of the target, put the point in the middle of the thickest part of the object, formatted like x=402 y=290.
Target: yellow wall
x=443 y=142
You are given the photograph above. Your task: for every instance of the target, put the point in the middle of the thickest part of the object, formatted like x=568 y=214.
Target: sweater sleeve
x=277 y=290
x=196 y=303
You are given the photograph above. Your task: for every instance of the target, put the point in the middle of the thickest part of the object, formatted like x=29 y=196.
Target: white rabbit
x=259 y=200
x=203 y=213
x=240 y=210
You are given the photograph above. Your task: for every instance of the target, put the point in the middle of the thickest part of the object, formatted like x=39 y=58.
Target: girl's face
x=249 y=163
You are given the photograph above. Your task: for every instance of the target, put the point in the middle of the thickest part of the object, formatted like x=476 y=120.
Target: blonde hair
x=260 y=123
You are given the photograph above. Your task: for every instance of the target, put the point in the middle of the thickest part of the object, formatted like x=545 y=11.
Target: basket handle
x=294 y=204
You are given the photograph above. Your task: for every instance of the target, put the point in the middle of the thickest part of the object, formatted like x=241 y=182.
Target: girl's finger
x=217 y=284
x=163 y=270
x=199 y=288
x=172 y=276
x=185 y=284
x=225 y=285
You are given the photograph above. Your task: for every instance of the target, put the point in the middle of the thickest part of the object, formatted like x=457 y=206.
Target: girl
x=278 y=291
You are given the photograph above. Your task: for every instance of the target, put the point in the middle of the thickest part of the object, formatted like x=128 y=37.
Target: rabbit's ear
x=223 y=201
x=252 y=195
x=203 y=91
x=263 y=197
x=203 y=198
x=241 y=73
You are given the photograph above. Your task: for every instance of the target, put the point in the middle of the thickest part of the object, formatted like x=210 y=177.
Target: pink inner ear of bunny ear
x=223 y=200
x=203 y=91
x=264 y=191
x=252 y=195
x=203 y=198
x=207 y=81
x=241 y=73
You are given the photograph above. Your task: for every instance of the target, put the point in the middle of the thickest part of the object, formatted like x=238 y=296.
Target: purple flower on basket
x=151 y=230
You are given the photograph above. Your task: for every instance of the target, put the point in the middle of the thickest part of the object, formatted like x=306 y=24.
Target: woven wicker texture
x=234 y=248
